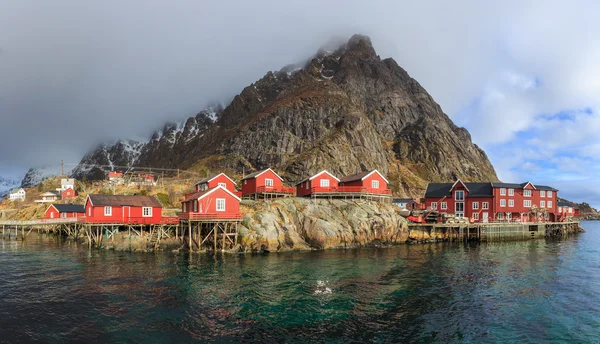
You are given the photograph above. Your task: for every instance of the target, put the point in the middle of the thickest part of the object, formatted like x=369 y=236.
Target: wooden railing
x=283 y=189
x=168 y=220
x=212 y=216
x=351 y=189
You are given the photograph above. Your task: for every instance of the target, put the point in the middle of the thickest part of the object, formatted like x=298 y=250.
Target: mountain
x=7 y=185
x=344 y=111
x=34 y=176
x=108 y=157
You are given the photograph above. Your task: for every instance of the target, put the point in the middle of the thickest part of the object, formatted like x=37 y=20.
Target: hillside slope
x=345 y=111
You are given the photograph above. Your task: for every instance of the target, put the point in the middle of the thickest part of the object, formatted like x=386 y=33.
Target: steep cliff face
x=344 y=111
x=108 y=157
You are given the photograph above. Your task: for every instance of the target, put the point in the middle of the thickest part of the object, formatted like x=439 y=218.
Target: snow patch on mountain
x=35 y=176
x=7 y=184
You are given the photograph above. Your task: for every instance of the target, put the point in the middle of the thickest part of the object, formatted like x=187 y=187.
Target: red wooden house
x=63 y=211
x=265 y=183
x=220 y=179
x=322 y=182
x=372 y=182
x=216 y=203
x=68 y=193
x=121 y=209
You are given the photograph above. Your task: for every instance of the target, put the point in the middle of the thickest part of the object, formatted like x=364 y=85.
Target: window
x=107 y=211
x=324 y=183
x=195 y=206
x=476 y=216
x=508 y=216
x=223 y=185
x=184 y=207
x=475 y=205
x=511 y=192
x=570 y=210
x=220 y=204
x=500 y=216
x=502 y=192
x=527 y=203
x=459 y=207
x=542 y=204
x=307 y=185
x=542 y=193
x=549 y=193
x=269 y=182
x=459 y=195
x=433 y=205
x=527 y=193
x=485 y=205
x=90 y=211
x=52 y=215
x=63 y=215
x=375 y=184
x=444 y=205
x=549 y=204
x=511 y=202
x=503 y=203
x=146 y=211
x=245 y=181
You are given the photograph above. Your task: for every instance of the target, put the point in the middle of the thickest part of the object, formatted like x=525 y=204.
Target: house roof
x=258 y=173
x=50 y=193
x=360 y=176
x=69 y=208
x=403 y=200
x=545 y=187
x=439 y=190
x=563 y=204
x=201 y=194
x=208 y=179
x=121 y=200
x=522 y=185
x=316 y=175
x=17 y=190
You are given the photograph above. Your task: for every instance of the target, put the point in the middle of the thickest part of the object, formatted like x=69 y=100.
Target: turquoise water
x=532 y=292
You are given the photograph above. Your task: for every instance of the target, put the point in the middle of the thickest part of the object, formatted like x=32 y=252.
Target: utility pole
x=62 y=167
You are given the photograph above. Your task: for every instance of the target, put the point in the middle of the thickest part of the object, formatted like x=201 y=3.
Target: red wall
x=366 y=183
x=229 y=185
x=250 y=186
x=208 y=204
x=68 y=193
x=302 y=190
x=129 y=215
x=57 y=215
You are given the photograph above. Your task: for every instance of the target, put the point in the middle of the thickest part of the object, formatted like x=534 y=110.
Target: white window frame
x=542 y=193
x=527 y=203
x=51 y=214
x=502 y=203
x=324 y=183
x=475 y=205
x=542 y=204
x=485 y=205
x=63 y=215
x=374 y=184
x=444 y=205
x=107 y=211
x=511 y=203
x=461 y=198
x=90 y=211
x=476 y=216
x=224 y=185
x=220 y=205
x=269 y=182
x=195 y=206
x=570 y=210
x=508 y=216
x=502 y=191
x=245 y=181
x=549 y=193
x=511 y=192
x=549 y=204
x=433 y=205
x=184 y=207
x=146 y=211
x=501 y=216
x=527 y=193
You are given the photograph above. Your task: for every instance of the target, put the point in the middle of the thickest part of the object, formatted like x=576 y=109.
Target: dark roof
x=205 y=180
x=402 y=200
x=198 y=194
x=120 y=200
x=356 y=176
x=252 y=175
x=544 y=187
x=563 y=204
x=509 y=185
x=439 y=190
x=70 y=208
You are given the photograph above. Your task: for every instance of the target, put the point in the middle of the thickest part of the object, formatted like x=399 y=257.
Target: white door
x=485 y=217
x=459 y=209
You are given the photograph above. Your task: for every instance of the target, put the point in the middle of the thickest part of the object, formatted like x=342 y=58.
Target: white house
x=17 y=195
x=66 y=183
x=48 y=197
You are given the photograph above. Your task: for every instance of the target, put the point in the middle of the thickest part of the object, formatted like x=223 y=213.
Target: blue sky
x=522 y=76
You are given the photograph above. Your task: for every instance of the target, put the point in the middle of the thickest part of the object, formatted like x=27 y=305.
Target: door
x=485 y=217
x=126 y=213
x=459 y=209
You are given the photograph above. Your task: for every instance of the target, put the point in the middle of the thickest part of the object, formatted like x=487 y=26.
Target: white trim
x=530 y=193
x=322 y=183
x=443 y=206
x=268 y=169
x=370 y=173
x=529 y=183
x=269 y=180
x=456 y=182
x=215 y=189
x=475 y=206
x=511 y=203
x=511 y=192
x=149 y=213
x=486 y=207
x=213 y=178
x=217 y=204
x=373 y=183
x=320 y=173
x=109 y=208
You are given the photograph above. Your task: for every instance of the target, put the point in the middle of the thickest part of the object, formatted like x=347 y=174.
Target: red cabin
x=68 y=193
x=63 y=211
x=264 y=183
x=121 y=209
x=322 y=182
x=371 y=182
x=220 y=179
x=217 y=203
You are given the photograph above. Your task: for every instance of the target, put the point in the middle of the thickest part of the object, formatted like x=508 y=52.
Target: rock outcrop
x=345 y=110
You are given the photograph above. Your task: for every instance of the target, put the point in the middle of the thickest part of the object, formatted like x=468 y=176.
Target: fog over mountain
x=519 y=75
